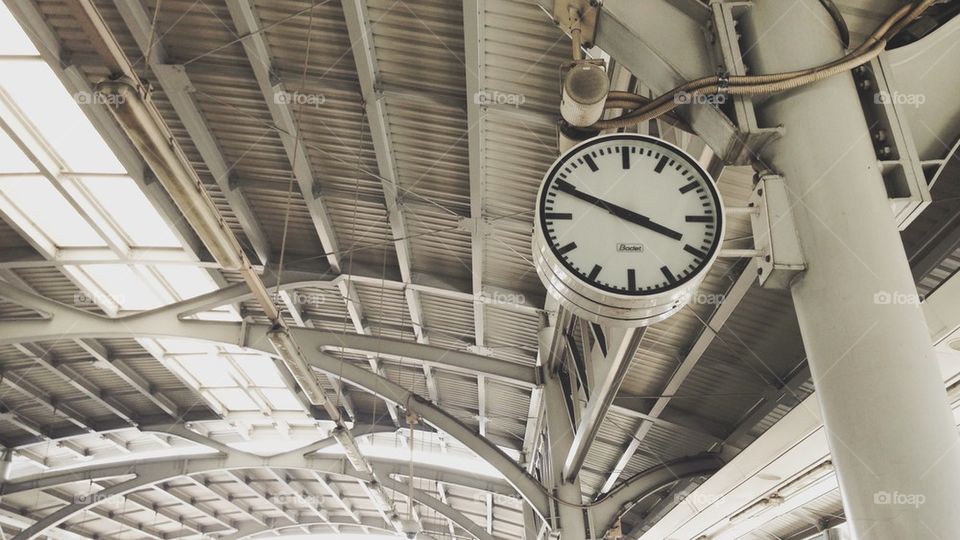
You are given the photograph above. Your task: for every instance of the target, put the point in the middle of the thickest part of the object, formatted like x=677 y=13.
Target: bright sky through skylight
x=81 y=208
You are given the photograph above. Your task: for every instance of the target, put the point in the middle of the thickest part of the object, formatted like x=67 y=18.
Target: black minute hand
x=619 y=211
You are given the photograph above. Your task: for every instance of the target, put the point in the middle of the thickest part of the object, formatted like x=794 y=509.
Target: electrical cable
x=837 y=17
x=646 y=109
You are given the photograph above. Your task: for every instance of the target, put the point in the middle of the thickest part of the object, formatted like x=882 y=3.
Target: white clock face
x=631 y=215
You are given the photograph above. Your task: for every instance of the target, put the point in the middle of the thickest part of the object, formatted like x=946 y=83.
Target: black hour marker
x=558 y=215
x=590 y=163
x=661 y=164
x=595 y=272
x=625 y=155
x=565 y=186
x=667 y=274
x=688 y=187
x=694 y=251
x=632 y=279
x=567 y=248
x=699 y=219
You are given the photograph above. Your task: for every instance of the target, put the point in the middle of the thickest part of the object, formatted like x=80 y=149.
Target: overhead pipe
x=145 y=127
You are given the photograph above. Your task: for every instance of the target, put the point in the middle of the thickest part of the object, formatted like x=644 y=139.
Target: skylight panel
x=12 y=159
x=50 y=212
x=13 y=40
x=208 y=369
x=185 y=346
x=260 y=370
x=129 y=208
x=186 y=281
x=234 y=399
x=57 y=115
x=131 y=289
x=281 y=399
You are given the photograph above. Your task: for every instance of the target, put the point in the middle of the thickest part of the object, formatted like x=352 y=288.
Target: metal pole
x=569 y=518
x=884 y=405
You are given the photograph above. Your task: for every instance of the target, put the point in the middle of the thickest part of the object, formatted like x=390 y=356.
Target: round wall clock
x=626 y=227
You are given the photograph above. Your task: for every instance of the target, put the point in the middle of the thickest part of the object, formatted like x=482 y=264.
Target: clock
x=626 y=227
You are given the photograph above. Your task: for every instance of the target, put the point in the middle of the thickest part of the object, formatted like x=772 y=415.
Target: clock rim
x=711 y=186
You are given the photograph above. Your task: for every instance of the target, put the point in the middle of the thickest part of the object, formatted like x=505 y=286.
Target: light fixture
x=757 y=507
x=376 y=492
x=585 y=89
x=141 y=124
x=293 y=358
x=352 y=451
x=805 y=480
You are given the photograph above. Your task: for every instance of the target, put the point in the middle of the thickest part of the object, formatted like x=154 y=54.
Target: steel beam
x=787 y=395
x=685 y=423
x=369 y=525
x=721 y=314
x=650 y=481
x=177 y=87
x=442 y=494
x=121 y=519
x=121 y=369
x=254 y=40
x=640 y=41
x=77 y=324
x=566 y=516
x=360 y=31
x=474 y=59
x=165 y=323
x=246 y=510
x=152 y=471
x=621 y=347
x=335 y=492
x=195 y=504
x=360 y=324
x=293 y=309
x=250 y=485
x=75 y=81
x=444 y=509
x=71 y=377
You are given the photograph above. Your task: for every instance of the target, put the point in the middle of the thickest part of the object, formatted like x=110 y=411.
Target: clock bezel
x=549 y=178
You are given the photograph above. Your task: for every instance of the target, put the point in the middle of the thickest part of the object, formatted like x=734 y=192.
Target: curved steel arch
x=149 y=472
x=172 y=467
x=652 y=480
x=66 y=322
x=247 y=532
x=438 y=506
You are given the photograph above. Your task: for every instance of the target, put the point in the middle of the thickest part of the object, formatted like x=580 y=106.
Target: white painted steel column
x=569 y=519
x=891 y=432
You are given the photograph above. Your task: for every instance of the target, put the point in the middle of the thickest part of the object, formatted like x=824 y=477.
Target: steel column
x=567 y=517
x=890 y=430
x=623 y=346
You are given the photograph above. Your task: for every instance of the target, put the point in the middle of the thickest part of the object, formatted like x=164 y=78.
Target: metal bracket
x=588 y=11
x=730 y=55
x=896 y=152
x=775 y=234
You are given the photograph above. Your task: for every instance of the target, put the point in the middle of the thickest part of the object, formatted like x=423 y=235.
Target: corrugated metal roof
x=419 y=49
